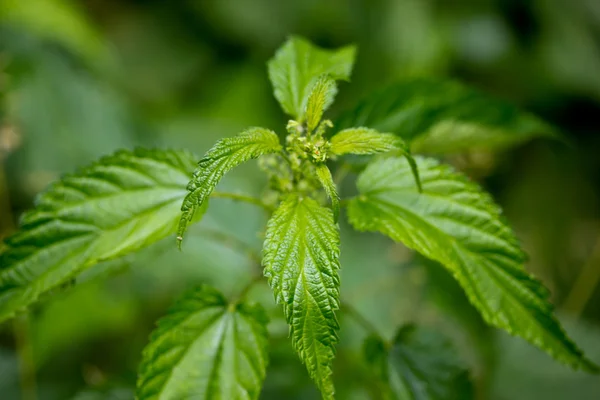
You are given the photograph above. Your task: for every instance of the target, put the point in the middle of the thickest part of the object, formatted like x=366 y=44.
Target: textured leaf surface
x=457 y=224
x=226 y=154
x=421 y=364
x=298 y=64
x=321 y=97
x=324 y=176
x=364 y=141
x=205 y=349
x=115 y=206
x=301 y=260
x=441 y=116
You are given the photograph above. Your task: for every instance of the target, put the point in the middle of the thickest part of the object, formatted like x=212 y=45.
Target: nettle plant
x=209 y=347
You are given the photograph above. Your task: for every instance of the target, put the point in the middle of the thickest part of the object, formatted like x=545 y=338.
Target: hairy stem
x=26 y=361
x=243 y=198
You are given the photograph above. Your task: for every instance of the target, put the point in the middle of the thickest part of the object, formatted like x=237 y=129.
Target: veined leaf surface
x=207 y=349
x=296 y=67
x=301 y=260
x=115 y=206
x=457 y=224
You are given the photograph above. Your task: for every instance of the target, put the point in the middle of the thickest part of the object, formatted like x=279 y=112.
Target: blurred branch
x=586 y=283
x=243 y=198
x=26 y=361
x=351 y=311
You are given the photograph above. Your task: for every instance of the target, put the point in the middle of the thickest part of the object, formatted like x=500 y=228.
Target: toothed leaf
x=457 y=224
x=296 y=67
x=115 y=206
x=205 y=349
x=324 y=176
x=321 y=97
x=364 y=141
x=226 y=154
x=301 y=260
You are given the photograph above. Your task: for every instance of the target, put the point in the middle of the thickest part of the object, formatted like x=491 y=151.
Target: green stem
x=239 y=245
x=243 y=198
x=233 y=243
x=360 y=319
x=586 y=283
x=26 y=360
x=340 y=174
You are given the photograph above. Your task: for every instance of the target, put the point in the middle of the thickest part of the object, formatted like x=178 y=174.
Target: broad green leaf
x=457 y=224
x=443 y=116
x=363 y=141
x=226 y=154
x=321 y=97
x=324 y=176
x=296 y=67
x=421 y=364
x=301 y=260
x=205 y=348
x=115 y=206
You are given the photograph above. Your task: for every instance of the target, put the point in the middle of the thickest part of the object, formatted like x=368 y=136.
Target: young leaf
x=420 y=365
x=324 y=176
x=205 y=349
x=363 y=141
x=321 y=97
x=442 y=116
x=457 y=224
x=296 y=66
x=301 y=260
x=115 y=206
x=226 y=154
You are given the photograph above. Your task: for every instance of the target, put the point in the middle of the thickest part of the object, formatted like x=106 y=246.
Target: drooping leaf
x=226 y=154
x=321 y=97
x=301 y=260
x=443 y=116
x=115 y=206
x=457 y=224
x=205 y=348
x=421 y=364
x=363 y=141
x=324 y=176
x=298 y=64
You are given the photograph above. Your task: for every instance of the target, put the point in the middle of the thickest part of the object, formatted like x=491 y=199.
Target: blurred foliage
x=80 y=79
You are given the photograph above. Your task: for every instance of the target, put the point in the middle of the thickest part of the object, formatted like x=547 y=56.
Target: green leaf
x=457 y=224
x=115 y=206
x=443 y=116
x=324 y=176
x=363 y=141
x=226 y=154
x=301 y=260
x=321 y=97
x=205 y=349
x=421 y=364
x=298 y=64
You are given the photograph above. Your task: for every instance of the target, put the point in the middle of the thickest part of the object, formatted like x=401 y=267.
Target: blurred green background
x=79 y=79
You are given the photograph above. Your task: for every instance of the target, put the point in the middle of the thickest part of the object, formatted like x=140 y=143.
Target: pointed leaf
x=301 y=260
x=457 y=224
x=420 y=365
x=226 y=154
x=443 y=116
x=296 y=66
x=115 y=206
x=321 y=97
x=205 y=349
x=324 y=176
x=363 y=141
